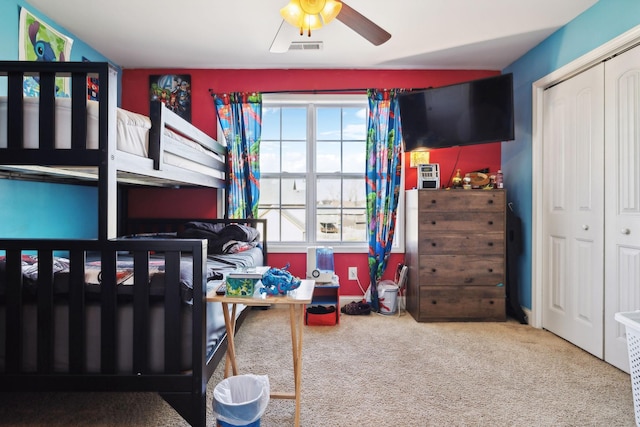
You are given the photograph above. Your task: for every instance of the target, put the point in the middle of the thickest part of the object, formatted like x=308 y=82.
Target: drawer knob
x=491 y=270
x=433 y=244
x=433 y=201
x=433 y=270
x=490 y=201
x=434 y=302
x=490 y=222
x=490 y=243
x=433 y=223
x=491 y=302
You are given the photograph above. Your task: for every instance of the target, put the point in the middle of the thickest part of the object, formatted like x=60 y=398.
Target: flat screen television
x=474 y=112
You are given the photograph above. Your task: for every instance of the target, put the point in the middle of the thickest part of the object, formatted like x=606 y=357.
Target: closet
x=590 y=205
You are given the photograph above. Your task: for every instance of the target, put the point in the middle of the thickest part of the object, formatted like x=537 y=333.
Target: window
x=312 y=167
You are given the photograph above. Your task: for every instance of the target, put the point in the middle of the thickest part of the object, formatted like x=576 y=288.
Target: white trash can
x=241 y=400
x=387 y=296
x=631 y=321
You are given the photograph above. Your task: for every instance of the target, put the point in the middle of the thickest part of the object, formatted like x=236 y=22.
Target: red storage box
x=320 y=319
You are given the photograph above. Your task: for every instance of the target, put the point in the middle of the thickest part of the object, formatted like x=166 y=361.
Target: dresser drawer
x=462 y=243
x=462 y=304
x=469 y=222
x=461 y=200
x=470 y=270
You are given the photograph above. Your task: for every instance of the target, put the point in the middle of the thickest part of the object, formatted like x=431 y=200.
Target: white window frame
x=284 y=99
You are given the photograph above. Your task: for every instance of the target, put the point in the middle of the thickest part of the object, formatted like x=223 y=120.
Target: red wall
x=172 y=203
x=135 y=97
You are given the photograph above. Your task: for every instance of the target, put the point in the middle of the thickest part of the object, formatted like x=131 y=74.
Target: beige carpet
x=385 y=371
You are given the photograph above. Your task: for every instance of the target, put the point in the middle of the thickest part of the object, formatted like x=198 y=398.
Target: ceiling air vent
x=307 y=45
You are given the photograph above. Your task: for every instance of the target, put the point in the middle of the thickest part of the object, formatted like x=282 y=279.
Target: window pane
x=328 y=225
x=328 y=124
x=353 y=157
x=354 y=123
x=328 y=157
x=294 y=156
x=270 y=123
x=269 y=156
x=354 y=193
x=293 y=225
x=294 y=192
x=354 y=225
x=273 y=222
x=269 y=193
x=329 y=192
x=294 y=123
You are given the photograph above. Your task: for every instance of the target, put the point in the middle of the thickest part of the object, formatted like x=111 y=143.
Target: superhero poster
x=174 y=91
x=39 y=42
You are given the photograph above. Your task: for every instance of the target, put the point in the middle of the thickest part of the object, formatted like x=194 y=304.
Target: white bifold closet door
x=622 y=199
x=573 y=214
x=591 y=208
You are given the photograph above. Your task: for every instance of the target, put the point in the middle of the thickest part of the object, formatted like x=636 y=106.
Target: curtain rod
x=304 y=91
x=350 y=90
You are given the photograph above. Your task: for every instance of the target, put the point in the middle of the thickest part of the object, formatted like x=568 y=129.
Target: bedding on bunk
x=132 y=130
x=221 y=238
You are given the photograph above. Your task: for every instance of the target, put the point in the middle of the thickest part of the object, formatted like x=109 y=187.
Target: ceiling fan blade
x=362 y=25
x=282 y=40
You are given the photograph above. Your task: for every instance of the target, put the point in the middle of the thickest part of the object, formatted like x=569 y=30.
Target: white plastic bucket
x=387 y=297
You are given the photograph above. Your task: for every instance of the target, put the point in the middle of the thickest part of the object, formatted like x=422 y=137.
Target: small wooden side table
x=296 y=300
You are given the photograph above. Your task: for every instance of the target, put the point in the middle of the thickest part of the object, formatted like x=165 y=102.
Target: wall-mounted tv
x=474 y=112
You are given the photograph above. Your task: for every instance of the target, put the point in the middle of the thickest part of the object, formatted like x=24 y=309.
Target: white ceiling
x=426 y=34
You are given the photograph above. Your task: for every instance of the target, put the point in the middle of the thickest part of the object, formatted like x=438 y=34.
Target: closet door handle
x=625 y=231
x=585 y=227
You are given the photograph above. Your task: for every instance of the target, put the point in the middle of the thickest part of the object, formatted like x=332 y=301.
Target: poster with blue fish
x=39 y=42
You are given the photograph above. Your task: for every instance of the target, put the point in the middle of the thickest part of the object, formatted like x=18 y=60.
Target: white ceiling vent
x=306 y=45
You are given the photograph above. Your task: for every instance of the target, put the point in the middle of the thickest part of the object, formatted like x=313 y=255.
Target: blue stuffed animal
x=278 y=281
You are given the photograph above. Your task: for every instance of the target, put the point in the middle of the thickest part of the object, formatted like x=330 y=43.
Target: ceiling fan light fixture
x=310 y=14
x=330 y=10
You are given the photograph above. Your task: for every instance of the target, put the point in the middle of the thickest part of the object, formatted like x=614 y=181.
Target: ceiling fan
x=347 y=15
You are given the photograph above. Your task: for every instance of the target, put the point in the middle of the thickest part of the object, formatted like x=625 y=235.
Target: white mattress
x=132 y=128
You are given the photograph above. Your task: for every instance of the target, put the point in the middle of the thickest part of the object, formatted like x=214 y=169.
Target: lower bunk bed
x=122 y=315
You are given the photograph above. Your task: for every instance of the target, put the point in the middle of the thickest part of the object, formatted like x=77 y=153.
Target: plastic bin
x=241 y=400
x=631 y=321
x=388 y=297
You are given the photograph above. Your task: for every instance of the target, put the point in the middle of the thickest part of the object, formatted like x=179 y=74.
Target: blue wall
x=34 y=209
x=604 y=21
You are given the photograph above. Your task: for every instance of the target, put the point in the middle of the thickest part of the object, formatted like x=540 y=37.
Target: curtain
x=240 y=116
x=383 y=179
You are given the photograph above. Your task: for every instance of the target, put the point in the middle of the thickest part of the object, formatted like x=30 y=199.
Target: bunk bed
x=115 y=313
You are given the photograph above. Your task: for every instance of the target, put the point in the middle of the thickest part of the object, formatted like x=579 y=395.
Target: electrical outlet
x=353 y=273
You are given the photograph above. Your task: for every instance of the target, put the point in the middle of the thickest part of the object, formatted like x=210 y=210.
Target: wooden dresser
x=455 y=250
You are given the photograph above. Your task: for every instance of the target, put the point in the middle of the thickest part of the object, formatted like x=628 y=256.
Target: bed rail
x=185 y=391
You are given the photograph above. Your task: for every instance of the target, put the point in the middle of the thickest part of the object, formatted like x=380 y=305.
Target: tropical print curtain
x=383 y=176
x=240 y=116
